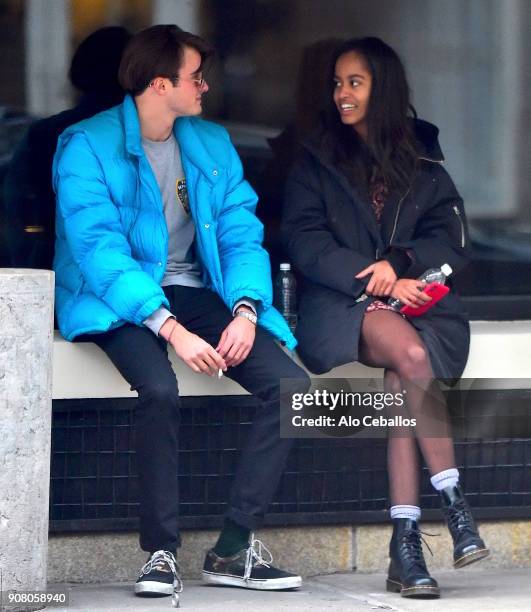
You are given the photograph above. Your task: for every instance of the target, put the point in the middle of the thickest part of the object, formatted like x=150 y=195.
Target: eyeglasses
x=199 y=81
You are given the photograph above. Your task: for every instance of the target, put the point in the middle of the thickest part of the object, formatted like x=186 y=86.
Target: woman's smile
x=346 y=108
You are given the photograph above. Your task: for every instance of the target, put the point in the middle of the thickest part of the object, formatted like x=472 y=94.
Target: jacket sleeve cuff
x=245 y=301
x=399 y=260
x=156 y=320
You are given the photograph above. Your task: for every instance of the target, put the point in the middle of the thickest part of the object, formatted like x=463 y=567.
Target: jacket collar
x=133 y=135
x=189 y=135
x=186 y=132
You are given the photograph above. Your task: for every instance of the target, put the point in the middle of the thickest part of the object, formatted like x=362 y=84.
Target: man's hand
x=382 y=280
x=236 y=341
x=410 y=292
x=193 y=350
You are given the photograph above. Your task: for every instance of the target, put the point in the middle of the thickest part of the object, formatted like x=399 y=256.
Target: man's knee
x=160 y=394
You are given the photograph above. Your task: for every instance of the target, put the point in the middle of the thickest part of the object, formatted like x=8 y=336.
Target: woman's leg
x=407 y=574
x=402 y=455
x=389 y=341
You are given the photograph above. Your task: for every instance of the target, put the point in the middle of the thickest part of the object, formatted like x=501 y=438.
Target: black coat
x=331 y=234
x=28 y=192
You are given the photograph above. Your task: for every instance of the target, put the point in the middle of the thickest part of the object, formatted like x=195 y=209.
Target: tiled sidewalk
x=485 y=590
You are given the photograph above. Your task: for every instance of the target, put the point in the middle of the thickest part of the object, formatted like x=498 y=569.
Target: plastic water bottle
x=433 y=275
x=285 y=295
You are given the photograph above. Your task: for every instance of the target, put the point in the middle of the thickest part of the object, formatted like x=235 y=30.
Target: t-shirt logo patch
x=182 y=194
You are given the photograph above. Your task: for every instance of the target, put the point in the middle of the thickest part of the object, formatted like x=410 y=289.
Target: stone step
x=115 y=557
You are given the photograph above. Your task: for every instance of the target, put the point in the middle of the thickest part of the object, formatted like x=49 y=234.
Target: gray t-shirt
x=182 y=267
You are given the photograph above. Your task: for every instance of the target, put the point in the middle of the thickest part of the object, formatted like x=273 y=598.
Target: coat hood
x=427 y=135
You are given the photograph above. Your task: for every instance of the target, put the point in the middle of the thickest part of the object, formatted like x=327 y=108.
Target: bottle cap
x=446 y=269
x=285 y=266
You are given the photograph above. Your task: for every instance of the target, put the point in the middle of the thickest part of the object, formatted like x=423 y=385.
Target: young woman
x=368 y=208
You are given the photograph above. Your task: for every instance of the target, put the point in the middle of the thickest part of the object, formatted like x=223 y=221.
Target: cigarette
x=220 y=373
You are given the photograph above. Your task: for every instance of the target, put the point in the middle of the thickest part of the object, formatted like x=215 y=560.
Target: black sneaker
x=159 y=577
x=248 y=569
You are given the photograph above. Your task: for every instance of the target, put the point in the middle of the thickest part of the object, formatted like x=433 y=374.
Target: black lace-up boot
x=468 y=546
x=408 y=574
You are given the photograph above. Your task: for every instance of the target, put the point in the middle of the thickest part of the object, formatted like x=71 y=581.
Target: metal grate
x=94 y=483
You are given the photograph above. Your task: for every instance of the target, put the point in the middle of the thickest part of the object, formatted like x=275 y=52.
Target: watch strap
x=247 y=315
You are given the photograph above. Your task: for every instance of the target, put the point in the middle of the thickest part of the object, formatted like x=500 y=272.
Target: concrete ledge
x=98 y=558
x=81 y=370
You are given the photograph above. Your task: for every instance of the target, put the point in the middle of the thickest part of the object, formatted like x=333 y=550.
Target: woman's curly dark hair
x=391 y=150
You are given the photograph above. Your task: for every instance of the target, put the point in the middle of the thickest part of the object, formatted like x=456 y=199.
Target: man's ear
x=159 y=85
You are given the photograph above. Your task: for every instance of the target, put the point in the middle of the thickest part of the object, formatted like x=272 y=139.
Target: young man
x=157 y=243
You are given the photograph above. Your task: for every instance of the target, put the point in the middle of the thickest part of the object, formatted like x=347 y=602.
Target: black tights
x=389 y=341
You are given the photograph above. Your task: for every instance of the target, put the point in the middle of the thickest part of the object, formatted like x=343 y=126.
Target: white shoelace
x=254 y=557
x=159 y=557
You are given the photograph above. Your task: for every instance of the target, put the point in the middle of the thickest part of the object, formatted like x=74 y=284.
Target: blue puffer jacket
x=112 y=239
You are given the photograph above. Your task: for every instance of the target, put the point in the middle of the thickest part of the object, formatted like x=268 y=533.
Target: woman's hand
x=382 y=280
x=410 y=292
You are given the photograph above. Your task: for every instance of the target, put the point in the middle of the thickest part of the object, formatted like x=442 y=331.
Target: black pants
x=143 y=361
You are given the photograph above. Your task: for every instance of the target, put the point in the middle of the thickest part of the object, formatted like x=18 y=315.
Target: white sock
x=446 y=478
x=407 y=512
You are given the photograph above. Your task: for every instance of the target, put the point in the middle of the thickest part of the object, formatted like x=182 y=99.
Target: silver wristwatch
x=247 y=315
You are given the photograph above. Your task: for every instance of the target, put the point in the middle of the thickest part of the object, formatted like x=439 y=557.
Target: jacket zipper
x=434 y=161
x=397 y=213
x=157 y=197
x=458 y=213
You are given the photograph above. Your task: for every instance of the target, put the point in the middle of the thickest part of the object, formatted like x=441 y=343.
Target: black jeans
x=143 y=361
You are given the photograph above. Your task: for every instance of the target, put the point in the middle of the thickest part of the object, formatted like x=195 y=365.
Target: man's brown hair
x=157 y=51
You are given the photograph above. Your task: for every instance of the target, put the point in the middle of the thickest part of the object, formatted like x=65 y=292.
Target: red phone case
x=436 y=291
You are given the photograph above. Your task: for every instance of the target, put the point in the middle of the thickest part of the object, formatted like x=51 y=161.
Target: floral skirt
x=378 y=305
